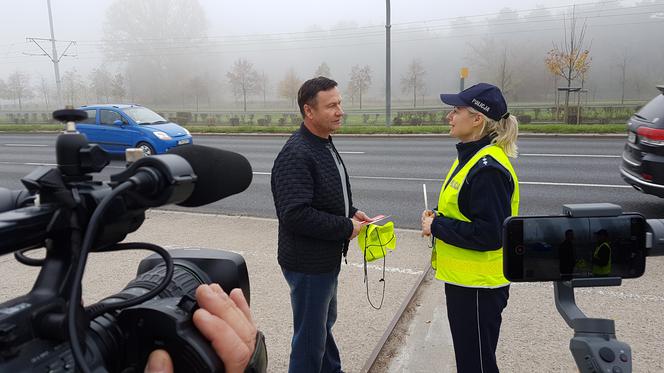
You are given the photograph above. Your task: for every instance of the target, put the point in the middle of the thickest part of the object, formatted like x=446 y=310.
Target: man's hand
x=356 y=228
x=159 y=362
x=361 y=217
x=226 y=322
x=358 y=220
x=427 y=219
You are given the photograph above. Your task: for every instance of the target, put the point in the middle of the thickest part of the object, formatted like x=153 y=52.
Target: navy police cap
x=483 y=97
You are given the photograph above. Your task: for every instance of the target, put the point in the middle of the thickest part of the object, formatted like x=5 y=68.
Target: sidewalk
x=358 y=329
x=533 y=335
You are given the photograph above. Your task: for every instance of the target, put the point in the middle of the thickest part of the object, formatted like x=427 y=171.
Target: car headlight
x=161 y=135
x=186 y=131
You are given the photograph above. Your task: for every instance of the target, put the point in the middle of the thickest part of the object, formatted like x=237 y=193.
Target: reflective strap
x=486 y=268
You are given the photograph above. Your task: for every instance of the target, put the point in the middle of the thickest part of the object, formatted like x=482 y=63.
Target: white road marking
x=441 y=180
x=387 y=178
x=406 y=271
x=28 y=145
x=541 y=155
x=32 y=164
x=575 y=184
x=570 y=155
x=45 y=164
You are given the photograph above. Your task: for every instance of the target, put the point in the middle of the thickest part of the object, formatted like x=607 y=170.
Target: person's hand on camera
x=226 y=322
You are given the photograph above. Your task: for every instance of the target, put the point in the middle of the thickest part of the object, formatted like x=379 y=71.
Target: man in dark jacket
x=314 y=205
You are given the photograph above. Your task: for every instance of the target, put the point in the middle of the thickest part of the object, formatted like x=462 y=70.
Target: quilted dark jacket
x=308 y=197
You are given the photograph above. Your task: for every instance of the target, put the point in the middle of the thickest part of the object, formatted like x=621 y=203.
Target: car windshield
x=143 y=115
x=654 y=110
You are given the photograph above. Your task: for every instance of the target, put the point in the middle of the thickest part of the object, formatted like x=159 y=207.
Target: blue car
x=118 y=127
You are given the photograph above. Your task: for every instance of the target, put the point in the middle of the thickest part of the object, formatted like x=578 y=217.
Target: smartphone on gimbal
x=561 y=248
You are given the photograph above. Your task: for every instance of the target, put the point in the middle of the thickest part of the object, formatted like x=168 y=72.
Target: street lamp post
x=58 y=82
x=388 y=74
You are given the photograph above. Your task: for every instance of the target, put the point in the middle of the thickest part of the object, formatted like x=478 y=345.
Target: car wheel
x=146 y=148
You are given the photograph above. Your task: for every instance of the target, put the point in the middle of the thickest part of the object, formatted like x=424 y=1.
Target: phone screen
x=558 y=248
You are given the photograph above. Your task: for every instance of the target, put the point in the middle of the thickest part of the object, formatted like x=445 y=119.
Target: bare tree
x=350 y=94
x=244 y=79
x=622 y=66
x=323 y=70
x=100 y=83
x=289 y=86
x=360 y=80
x=4 y=93
x=263 y=86
x=18 y=86
x=571 y=59
x=494 y=62
x=160 y=42
x=413 y=81
x=118 y=90
x=199 y=88
x=45 y=89
x=72 y=87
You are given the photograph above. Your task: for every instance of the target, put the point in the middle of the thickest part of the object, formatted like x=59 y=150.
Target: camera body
x=121 y=341
x=70 y=215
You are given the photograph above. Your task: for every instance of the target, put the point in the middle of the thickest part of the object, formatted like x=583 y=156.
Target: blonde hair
x=504 y=132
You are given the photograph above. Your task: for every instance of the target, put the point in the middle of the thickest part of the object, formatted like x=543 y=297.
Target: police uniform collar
x=465 y=150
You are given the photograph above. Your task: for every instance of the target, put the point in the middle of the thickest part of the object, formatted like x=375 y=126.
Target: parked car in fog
x=118 y=127
x=643 y=158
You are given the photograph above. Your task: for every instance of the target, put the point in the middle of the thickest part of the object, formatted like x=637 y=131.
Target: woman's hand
x=427 y=219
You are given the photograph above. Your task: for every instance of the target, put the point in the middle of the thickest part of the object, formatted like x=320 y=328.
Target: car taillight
x=646 y=176
x=651 y=136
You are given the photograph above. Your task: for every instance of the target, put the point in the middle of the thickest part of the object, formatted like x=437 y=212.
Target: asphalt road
x=387 y=173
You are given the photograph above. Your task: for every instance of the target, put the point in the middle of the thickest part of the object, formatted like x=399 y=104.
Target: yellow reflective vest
x=466 y=267
x=598 y=269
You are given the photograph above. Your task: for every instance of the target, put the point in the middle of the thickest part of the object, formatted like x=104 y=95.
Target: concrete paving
x=359 y=327
x=533 y=337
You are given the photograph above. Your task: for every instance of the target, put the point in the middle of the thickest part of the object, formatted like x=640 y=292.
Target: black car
x=643 y=159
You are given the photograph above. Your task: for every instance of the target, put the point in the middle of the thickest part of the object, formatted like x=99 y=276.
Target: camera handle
x=594 y=345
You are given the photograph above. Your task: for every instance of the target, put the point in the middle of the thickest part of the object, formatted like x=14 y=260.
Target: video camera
x=69 y=214
x=589 y=245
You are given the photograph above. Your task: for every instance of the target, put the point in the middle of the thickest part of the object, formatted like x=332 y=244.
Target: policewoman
x=602 y=254
x=481 y=190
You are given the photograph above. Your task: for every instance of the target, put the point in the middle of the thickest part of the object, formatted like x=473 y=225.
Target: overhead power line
x=358 y=36
x=353 y=31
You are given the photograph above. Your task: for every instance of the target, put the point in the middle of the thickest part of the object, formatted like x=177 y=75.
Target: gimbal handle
x=594 y=346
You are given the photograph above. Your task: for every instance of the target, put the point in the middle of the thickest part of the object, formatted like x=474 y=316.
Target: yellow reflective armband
x=375 y=240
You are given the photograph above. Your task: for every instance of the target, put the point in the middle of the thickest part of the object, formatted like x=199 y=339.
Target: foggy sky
x=279 y=35
x=81 y=20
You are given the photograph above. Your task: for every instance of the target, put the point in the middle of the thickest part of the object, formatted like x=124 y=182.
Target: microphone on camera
x=220 y=173
x=190 y=176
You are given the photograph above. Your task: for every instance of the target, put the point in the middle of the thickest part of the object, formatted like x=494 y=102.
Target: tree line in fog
x=166 y=57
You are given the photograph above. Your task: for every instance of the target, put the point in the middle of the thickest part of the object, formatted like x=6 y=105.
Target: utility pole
x=388 y=73
x=54 y=55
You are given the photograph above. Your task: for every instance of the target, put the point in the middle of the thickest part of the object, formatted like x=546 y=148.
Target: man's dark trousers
x=475 y=317
x=314 y=304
